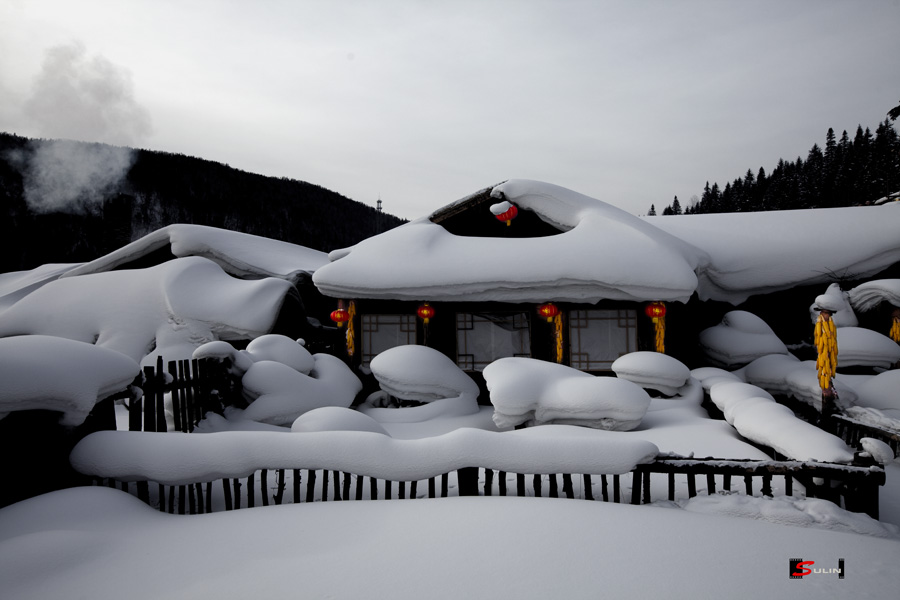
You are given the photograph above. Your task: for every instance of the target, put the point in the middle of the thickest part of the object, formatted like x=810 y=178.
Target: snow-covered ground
x=100 y=543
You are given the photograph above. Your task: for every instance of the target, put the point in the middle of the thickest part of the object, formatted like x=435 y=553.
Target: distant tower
x=378 y=207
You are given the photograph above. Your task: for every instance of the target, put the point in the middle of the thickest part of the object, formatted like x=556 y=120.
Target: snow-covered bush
x=838 y=302
x=536 y=392
x=43 y=372
x=740 y=338
x=652 y=370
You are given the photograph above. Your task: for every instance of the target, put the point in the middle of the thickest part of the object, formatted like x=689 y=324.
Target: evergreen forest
x=107 y=196
x=846 y=172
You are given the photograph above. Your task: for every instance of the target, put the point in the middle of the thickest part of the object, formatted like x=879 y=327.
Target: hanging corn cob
x=351 y=342
x=826 y=346
x=895 y=326
x=558 y=331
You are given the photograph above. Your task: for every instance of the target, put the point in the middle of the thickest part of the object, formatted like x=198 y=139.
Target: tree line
x=846 y=172
x=159 y=189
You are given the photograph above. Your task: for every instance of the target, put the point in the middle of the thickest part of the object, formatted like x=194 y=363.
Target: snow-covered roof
x=603 y=252
x=239 y=254
x=169 y=309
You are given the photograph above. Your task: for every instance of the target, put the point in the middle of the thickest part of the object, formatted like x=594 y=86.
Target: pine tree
x=652 y=212
x=676 y=207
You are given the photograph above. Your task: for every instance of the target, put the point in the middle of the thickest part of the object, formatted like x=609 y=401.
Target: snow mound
x=177 y=459
x=421 y=374
x=535 y=392
x=881 y=391
x=868 y=295
x=879 y=450
x=788 y=510
x=279 y=393
x=786 y=375
x=281 y=349
x=740 y=338
x=173 y=307
x=838 y=302
x=652 y=370
x=43 y=372
x=863 y=347
x=239 y=360
x=336 y=418
x=18 y=284
x=756 y=416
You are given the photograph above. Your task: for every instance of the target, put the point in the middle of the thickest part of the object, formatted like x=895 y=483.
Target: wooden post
x=604 y=487
x=337 y=484
x=143 y=491
x=520 y=485
x=136 y=414
x=237 y=493
x=488 y=482
x=636 y=487
x=467 y=480
x=616 y=489
x=373 y=488
x=671 y=477
x=226 y=485
x=767 y=485
x=402 y=494
x=646 y=486
x=568 y=488
x=387 y=489
x=431 y=488
x=788 y=485
x=280 y=485
x=182 y=493
x=537 y=485
x=710 y=484
x=412 y=489
x=296 y=486
x=445 y=485
x=501 y=481
x=176 y=397
x=359 y=487
x=346 y=494
x=748 y=485
x=324 y=485
x=251 y=493
x=692 y=484
x=554 y=490
x=588 y=488
x=160 y=403
x=264 y=486
x=150 y=399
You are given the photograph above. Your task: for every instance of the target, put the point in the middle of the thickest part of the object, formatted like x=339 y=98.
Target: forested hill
x=846 y=172
x=65 y=201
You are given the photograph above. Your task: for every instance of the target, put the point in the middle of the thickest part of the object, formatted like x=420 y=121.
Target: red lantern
x=548 y=310
x=340 y=316
x=425 y=312
x=655 y=310
x=509 y=215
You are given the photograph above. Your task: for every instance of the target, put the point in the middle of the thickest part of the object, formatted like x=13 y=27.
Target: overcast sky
x=420 y=103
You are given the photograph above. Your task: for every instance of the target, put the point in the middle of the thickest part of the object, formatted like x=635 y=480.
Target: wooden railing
x=851 y=486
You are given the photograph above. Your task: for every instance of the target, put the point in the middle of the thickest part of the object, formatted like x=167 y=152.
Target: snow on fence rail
x=203 y=472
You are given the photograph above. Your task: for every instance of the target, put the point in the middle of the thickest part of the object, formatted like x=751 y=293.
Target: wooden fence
x=855 y=487
x=851 y=431
x=194 y=386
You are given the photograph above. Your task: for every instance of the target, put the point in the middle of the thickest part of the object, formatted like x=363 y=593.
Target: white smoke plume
x=81 y=98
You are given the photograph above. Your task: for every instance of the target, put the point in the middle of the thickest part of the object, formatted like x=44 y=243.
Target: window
x=598 y=337
x=483 y=338
x=382 y=332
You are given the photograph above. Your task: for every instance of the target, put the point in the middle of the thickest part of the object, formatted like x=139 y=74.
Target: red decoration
x=509 y=215
x=340 y=316
x=425 y=312
x=548 y=311
x=655 y=310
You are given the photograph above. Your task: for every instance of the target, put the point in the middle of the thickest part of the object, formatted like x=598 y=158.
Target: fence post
x=467 y=480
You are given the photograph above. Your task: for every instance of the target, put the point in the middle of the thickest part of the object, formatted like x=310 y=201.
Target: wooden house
x=570 y=278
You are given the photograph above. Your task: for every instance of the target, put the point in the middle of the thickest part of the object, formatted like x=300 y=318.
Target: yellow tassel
x=351 y=342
